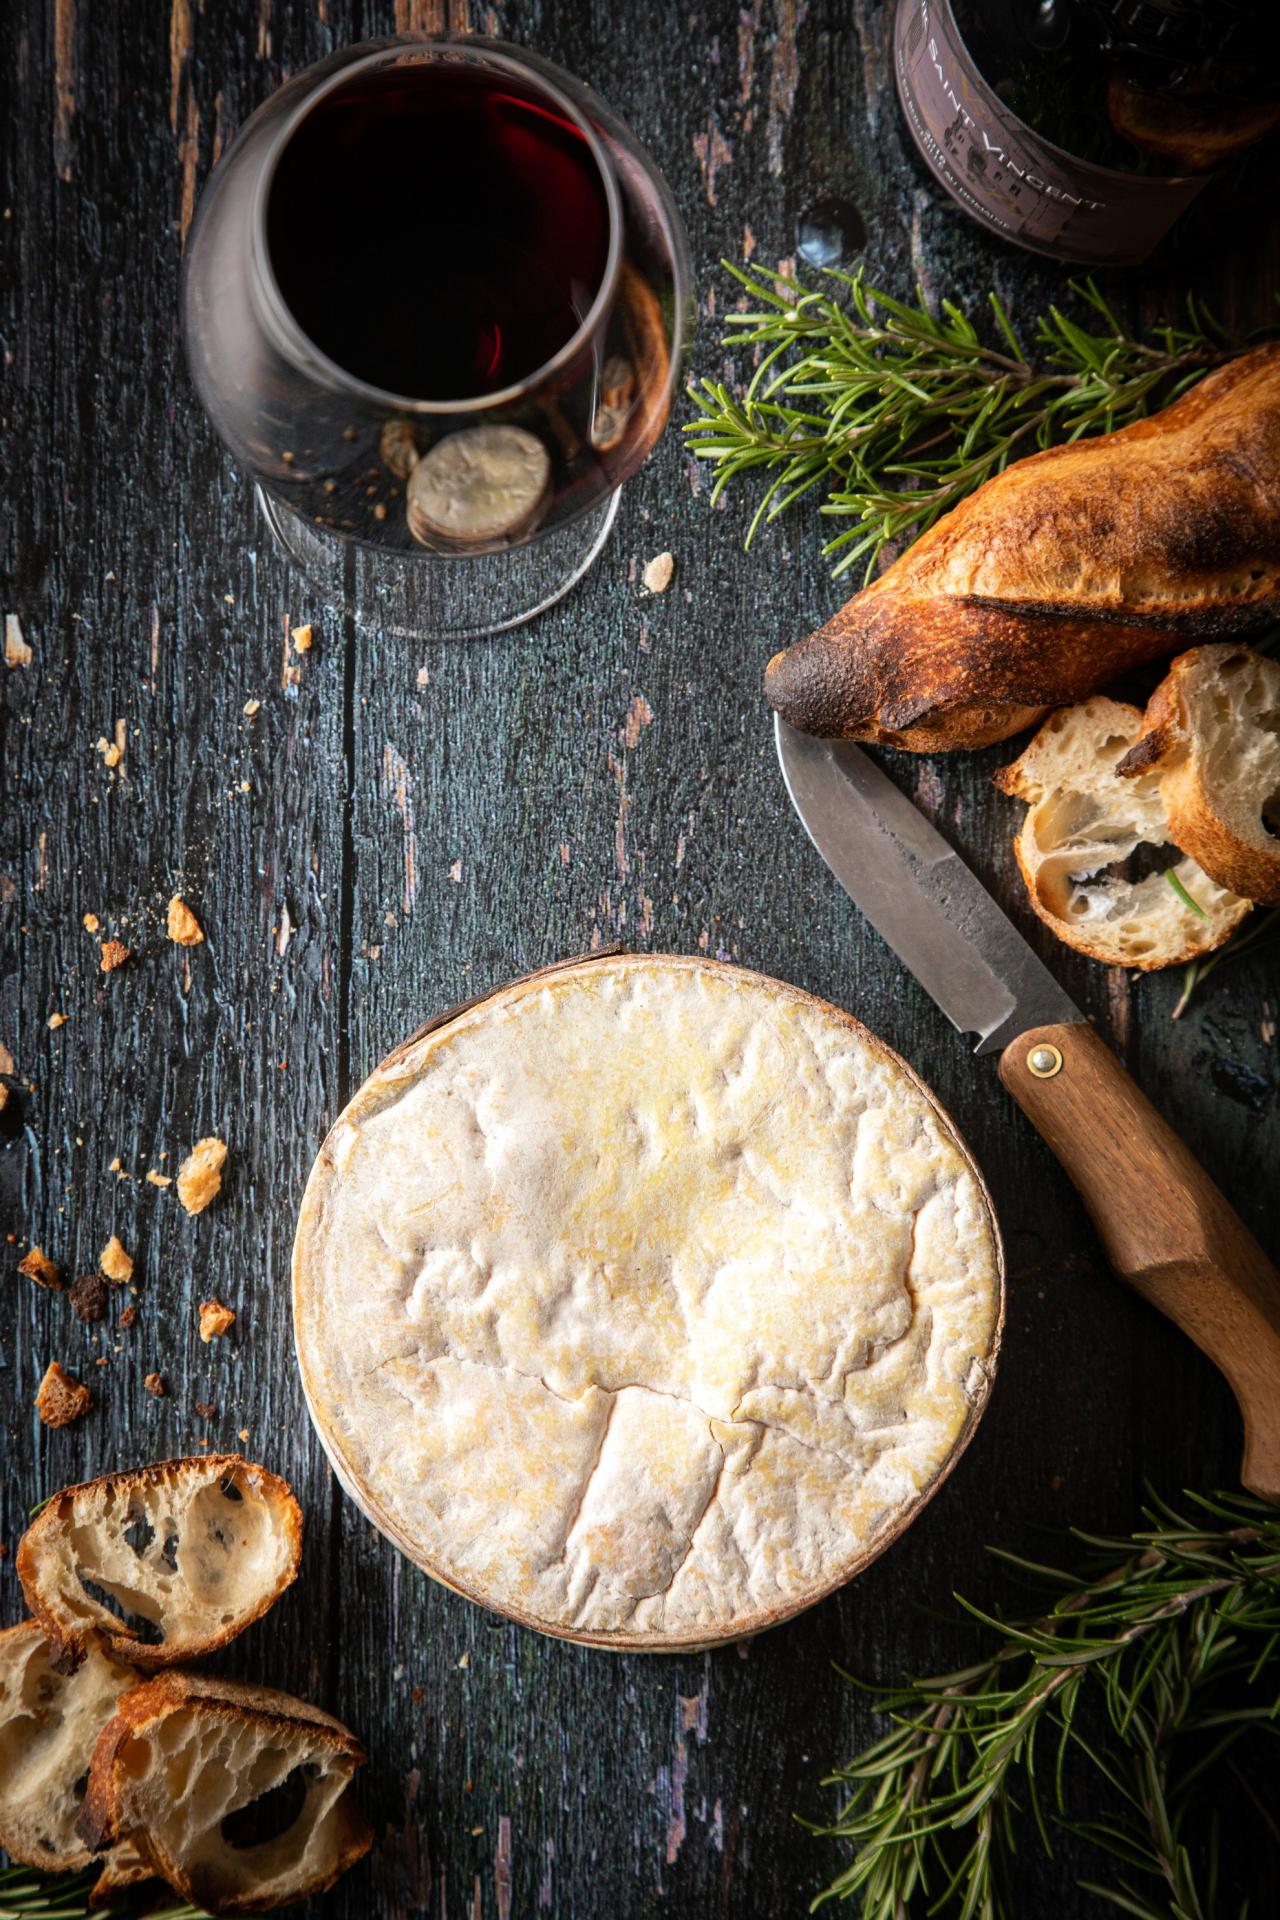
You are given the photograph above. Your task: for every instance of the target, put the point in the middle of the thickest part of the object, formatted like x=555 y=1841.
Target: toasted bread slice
x=1081 y=847
x=1212 y=735
x=237 y=1795
x=49 y=1724
x=189 y=1552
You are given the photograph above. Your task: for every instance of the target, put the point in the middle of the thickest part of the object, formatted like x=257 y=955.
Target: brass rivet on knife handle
x=1165 y=1226
x=1044 y=1062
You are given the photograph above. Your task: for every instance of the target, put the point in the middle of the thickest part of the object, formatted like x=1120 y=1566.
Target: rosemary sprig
x=1258 y=933
x=899 y=412
x=1172 y=1632
x=28 y=1894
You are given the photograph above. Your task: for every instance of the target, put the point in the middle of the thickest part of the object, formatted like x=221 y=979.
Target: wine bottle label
x=1007 y=176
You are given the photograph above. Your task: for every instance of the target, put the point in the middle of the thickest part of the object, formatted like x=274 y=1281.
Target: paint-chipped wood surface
x=393 y=826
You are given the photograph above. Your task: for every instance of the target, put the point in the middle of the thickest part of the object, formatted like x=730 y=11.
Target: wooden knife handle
x=1165 y=1226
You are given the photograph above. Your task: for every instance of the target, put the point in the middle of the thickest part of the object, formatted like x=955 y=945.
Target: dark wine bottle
x=1084 y=128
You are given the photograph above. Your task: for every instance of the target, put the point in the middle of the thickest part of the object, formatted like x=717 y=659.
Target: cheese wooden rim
x=349 y=1297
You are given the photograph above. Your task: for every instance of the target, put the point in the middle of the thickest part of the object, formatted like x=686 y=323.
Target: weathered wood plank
x=132 y=558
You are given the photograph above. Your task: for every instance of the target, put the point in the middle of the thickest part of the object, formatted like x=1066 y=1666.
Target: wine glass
x=435 y=302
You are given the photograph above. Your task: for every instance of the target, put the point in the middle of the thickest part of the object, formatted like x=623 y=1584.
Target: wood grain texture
x=437 y=818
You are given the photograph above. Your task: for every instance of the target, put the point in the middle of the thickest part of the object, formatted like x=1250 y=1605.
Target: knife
x=1165 y=1226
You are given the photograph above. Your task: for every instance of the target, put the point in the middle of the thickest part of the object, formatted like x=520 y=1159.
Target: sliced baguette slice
x=1211 y=733
x=1084 y=827
x=166 y=1563
x=237 y=1795
x=49 y=1723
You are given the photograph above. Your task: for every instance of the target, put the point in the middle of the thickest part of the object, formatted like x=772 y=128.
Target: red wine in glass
x=435 y=301
x=437 y=233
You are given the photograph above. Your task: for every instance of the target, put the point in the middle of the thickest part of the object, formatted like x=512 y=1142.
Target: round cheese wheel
x=646 y=1300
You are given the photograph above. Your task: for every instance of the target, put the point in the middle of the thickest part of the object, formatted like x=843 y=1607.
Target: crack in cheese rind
x=644 y=1299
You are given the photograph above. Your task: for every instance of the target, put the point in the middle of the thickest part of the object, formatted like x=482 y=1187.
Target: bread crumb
x=657 y=575
x=55 y=1021
x=115 y=1262
x=128 y=1317
x=200 y=1175
x=243 y=1434
x=112 y=754
x=215 y=1319
x=251 y=707
x=116 y=1165
x=39 y=1267
x=6 y=1060
x=206 y=1410
x=158 y=1179
x=88 y=1297
x=91 y=923
x=154 y=1383
x=16 y=651
x=184 y=929
x=61 y=1398
x=301 y=637
x=114 y=954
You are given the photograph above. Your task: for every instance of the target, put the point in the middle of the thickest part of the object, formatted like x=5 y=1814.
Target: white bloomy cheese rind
x=646 y=1301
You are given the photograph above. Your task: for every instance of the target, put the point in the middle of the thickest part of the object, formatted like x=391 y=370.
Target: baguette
x=1211 y=733
x=237 y=1795
x=1085 y=825
x=1064 y=571
x=49 y=1723
x=189 y=1551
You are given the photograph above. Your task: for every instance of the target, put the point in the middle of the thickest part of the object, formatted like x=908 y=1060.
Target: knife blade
x=1165 y=1226
x=918 y=894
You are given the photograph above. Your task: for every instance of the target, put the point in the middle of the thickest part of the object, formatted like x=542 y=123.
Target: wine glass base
x=432 y=596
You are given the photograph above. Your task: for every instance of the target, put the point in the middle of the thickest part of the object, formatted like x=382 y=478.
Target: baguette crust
x=144 y=1788
x=1212 y=733
x=123 y=1867
x=1067 y=569
x=199 y=1547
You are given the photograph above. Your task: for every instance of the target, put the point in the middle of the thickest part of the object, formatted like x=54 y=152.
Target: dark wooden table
x=404 y=823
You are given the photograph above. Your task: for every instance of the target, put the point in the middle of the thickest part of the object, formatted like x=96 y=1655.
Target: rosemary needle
x=1170 y=874
x=1258 y=933
x=898 y=413
x=1145 y=1671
